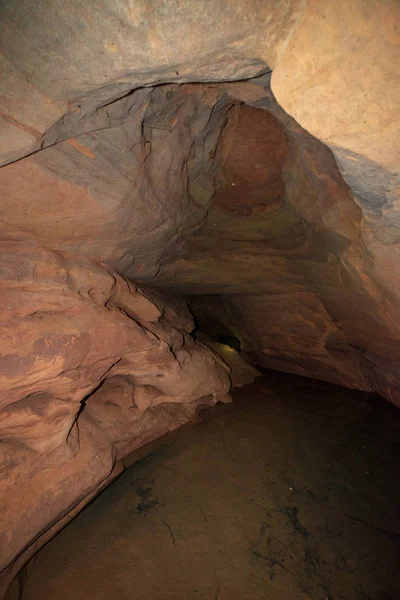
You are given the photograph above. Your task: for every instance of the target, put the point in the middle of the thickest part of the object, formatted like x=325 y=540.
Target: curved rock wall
x=118 y=166
x=91 y=369
x=282 y=258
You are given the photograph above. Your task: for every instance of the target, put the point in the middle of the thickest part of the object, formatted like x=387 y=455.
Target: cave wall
x=214 y=191
x=282 y=258
x=92 y=368
x=122 y=133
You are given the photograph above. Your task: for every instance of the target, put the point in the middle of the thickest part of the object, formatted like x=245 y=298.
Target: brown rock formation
x=73 y=330
x=122 y=163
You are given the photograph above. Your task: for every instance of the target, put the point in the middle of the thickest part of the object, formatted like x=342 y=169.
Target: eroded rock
x=122 y=163
x=91 y=369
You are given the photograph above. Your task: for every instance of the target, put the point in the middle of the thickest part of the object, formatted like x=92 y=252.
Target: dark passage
x=230 y=340
x=289 y=493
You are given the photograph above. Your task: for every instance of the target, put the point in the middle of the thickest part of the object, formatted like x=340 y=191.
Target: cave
x=200 y=300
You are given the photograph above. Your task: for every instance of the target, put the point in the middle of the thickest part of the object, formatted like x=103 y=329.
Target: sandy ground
x=289 y=493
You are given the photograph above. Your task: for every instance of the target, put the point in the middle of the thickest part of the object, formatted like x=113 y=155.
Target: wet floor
x=289 y=493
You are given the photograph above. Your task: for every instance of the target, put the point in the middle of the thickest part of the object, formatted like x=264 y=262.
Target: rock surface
x=91 y=369
x=282 y=259
x=122 y=162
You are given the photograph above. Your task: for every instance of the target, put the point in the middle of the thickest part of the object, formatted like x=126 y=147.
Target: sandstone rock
x=90 y=370
x=134 y=151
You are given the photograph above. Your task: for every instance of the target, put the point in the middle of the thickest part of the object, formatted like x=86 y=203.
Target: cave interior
x=199 y=238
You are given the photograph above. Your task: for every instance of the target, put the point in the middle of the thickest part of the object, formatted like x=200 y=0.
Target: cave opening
x=200 y=354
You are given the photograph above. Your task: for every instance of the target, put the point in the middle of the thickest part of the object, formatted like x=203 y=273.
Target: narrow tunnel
x=200 y=323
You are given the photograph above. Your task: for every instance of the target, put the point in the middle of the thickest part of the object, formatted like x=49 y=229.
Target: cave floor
x=289 y=493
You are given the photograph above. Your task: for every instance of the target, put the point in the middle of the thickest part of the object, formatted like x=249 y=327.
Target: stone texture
x=94 y=57
x=125 y=193
x=281 y=258
x=91 y=368
x=276 y=218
